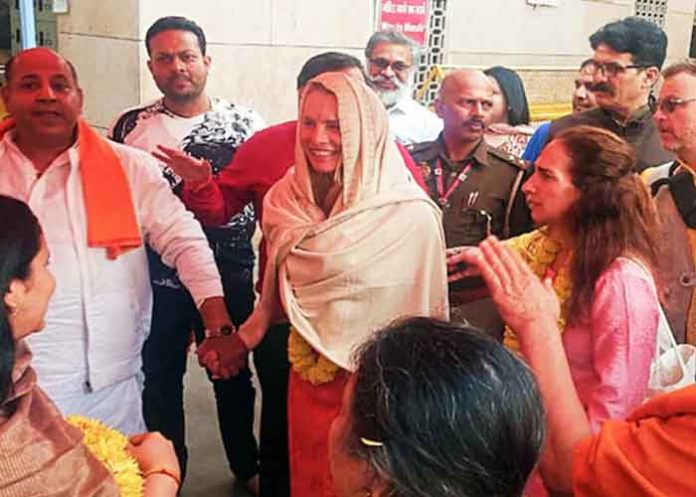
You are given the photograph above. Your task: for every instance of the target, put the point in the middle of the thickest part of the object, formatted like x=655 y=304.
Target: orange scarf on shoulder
x=111 y=221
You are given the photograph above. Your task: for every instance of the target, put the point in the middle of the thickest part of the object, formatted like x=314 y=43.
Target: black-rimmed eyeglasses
x=397 y=66
x=610 y=69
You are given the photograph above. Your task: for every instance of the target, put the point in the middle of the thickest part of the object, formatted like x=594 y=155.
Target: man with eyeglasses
x=391 y=59
x=673 y=187
x=628 y=55
x=476 y=186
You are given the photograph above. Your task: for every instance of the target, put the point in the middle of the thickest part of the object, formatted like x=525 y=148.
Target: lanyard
x=443 y=196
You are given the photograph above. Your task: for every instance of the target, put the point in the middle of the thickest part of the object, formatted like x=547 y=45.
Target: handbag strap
x=664 y=336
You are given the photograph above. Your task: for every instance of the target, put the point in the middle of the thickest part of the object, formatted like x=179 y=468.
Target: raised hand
x=223 y=356
x=189 y=168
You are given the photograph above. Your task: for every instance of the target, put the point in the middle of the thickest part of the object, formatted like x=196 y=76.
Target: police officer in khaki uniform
x=476 y=186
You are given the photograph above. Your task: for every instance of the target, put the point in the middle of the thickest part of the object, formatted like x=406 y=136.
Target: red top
x=258 y=163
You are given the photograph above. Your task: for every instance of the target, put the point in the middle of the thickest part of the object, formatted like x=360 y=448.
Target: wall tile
x=110 y=18
x=224 y=21
x=108 y=73
x=322 y=23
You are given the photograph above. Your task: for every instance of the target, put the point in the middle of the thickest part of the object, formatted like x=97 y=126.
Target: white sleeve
x=169 y=228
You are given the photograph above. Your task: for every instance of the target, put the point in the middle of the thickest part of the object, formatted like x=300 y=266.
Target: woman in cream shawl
x=353 y=244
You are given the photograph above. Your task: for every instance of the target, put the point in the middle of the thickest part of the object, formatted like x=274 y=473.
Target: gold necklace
x=309 y=364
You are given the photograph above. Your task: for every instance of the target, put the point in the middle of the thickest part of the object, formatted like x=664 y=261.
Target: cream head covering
x=377 y=257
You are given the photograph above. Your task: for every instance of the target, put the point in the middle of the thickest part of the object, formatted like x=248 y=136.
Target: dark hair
x=644 y=40
x=452 y=412
x=613 y=216
x=175 y=23
x=10 y=63
x=513 y=91
x=326 y=62
x=20 y=241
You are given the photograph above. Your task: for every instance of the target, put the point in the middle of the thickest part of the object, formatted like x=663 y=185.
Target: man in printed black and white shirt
x=187 y=121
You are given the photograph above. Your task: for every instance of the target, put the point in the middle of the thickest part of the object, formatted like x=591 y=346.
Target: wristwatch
x=225 y=330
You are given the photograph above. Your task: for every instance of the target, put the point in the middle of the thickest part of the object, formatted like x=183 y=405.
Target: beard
x=390 y=97
x=167 y=87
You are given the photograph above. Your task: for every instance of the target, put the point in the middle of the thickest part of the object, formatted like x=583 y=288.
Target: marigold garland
x=539 y=251
x=310 y=365
x=109 y=447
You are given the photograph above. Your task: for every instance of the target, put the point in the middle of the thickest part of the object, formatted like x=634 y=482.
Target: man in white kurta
x=88 y=358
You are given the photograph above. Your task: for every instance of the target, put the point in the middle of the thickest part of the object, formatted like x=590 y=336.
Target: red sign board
x=407 y=16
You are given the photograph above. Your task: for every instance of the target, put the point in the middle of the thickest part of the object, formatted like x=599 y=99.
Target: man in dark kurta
x=628 y=55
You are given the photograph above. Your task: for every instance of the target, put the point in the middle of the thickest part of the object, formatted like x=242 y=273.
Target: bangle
x=164 y=471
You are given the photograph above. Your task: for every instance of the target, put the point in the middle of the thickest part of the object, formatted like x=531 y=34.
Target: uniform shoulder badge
x=422 y=151
x=509 y=158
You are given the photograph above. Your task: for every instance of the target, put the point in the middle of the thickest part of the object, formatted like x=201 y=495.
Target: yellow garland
x=539 y=251
x=310 y=365
x=109 y=447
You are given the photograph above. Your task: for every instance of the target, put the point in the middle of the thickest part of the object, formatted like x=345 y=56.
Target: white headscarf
x=377 y=257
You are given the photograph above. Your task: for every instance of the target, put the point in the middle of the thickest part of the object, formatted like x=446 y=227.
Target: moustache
x=601 y=87
x=474 y=121
x=381 y=78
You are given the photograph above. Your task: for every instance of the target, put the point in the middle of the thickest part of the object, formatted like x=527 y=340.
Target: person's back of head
x=644 y=40
x=327 y=62
x=438 y=409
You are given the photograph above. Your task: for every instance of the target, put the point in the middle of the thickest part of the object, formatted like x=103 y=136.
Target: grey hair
x=393 y=37
x=683 y=66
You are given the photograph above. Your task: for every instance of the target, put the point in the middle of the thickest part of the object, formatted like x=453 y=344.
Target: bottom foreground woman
x=436 y=409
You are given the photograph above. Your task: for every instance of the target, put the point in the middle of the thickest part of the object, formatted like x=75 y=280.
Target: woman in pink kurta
x=595 y=246
x=610 y=356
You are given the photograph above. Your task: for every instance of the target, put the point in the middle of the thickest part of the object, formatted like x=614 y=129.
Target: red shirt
x=258 y=163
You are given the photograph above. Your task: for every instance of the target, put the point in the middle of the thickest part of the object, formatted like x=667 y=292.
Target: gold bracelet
x=164 y=471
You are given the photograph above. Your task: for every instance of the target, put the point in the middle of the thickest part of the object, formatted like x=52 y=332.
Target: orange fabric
x=311 y=410
x=650 y=454
x=111 y=221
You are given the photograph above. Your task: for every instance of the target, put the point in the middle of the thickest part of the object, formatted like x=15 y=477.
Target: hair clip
x=370 y=443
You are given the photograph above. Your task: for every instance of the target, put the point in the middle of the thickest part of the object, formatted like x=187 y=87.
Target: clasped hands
x=226 y=355
x=223 y=355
